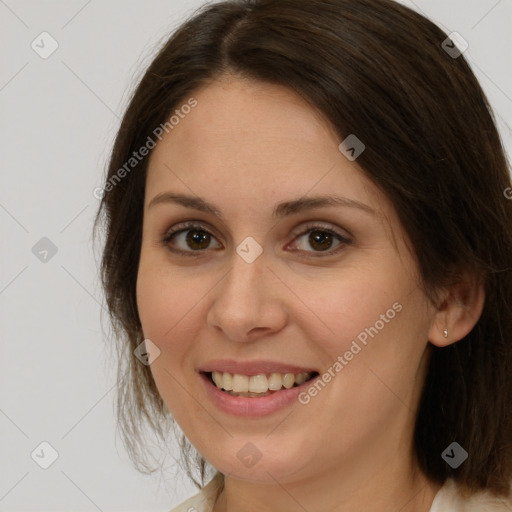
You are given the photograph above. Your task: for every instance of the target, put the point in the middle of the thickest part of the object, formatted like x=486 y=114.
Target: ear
x=461 y=307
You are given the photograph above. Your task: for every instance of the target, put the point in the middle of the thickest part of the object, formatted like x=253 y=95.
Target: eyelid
x=310 y=225
x=190 y=225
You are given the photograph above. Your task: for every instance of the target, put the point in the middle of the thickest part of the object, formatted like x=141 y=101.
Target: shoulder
x=450 y=499
x=205 y=499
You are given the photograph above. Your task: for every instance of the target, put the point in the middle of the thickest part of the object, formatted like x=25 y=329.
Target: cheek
x=366 y=326
x=347 y=306
x=165 y=301
x=375 y=336
x=166 y=311
x=171 y=310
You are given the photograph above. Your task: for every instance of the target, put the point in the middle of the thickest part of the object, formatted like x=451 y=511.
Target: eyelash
x=190 y=226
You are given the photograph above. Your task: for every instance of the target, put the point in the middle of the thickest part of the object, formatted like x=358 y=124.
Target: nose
x=248 y=303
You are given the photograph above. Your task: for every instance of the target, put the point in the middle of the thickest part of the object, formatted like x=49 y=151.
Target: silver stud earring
x=445 y=332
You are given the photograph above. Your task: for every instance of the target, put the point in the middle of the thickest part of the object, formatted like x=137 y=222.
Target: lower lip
x=253 y=407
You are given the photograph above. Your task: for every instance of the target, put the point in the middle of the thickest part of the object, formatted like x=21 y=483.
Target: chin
x=259 y=466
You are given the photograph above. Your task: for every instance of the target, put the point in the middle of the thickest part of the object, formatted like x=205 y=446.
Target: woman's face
x=271 y=280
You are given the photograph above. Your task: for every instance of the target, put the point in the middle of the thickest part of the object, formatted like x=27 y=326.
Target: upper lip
x=250 y=368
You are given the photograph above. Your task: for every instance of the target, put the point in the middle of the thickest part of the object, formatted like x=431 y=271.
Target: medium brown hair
x=376 y=69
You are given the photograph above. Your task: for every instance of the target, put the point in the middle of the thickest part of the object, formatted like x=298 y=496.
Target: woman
x=308 y=250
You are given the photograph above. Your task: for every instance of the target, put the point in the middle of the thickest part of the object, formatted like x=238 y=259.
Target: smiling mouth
x=257 y=386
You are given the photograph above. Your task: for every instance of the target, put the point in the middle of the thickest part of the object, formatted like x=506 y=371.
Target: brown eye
x=191 y=238
x=320 y=240
x=316 y=239
x=197 y=239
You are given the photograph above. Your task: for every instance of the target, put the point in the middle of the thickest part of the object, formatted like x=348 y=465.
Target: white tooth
x=258 y=383
x=227 y=381
x=240 y=383
x=275 y=382
x=288 y=380
x=300 y=378
x=217 y=378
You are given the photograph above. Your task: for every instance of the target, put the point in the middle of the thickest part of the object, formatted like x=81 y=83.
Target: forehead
x=248 y=145
x=249 y=132
x=250 y=124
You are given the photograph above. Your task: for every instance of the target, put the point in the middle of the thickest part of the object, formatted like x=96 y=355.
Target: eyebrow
x=280 y=210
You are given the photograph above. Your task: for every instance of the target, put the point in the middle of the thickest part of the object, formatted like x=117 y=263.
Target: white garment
x=205 y=499
x=446 y=500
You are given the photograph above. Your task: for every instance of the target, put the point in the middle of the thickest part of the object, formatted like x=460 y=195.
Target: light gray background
x=58 y=119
